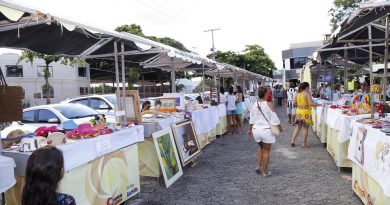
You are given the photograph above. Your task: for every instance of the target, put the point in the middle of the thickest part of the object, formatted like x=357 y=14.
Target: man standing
x=291 y=93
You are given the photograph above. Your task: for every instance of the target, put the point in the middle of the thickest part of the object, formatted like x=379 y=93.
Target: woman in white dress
x=263 y=114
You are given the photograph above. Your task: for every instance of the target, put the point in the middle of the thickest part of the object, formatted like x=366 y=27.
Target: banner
x=108 y=180
x=369 y=149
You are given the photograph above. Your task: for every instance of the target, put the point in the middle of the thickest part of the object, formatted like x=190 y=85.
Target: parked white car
x=52 y=115
x=104 y=104
x=56 y=114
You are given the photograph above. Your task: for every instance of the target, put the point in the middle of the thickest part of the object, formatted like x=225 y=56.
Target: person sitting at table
x=44 y=171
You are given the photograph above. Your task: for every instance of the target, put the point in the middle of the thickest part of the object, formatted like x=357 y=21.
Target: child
x=44 y=171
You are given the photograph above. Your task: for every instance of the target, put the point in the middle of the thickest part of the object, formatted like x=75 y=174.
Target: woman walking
x=231 y=110
x=262 y=115
x=303 y=118
x=239 y=108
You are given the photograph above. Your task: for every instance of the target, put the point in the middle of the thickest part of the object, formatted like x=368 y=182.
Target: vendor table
x=94 y=174
x=369 y=150
x=205 y=123
x=148 y=162
x=222 y=123
x=337 y=135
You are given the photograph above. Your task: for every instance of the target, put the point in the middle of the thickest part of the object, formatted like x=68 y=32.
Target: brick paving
x=226 y=175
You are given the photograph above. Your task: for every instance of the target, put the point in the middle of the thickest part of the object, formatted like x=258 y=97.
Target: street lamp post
x=213 y=49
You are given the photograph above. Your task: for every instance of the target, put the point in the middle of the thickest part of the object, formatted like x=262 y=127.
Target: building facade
x=298 y=54
x=66 y=81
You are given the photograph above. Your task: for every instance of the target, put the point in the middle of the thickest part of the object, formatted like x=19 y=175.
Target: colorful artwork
x=167 y=155
x=359 y=149
x=186 y=141
x=382 y=156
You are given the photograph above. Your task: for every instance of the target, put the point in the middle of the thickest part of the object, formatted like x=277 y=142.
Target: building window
x=42 y=68
x=83 y=90
x=14 y=70
x=297 y=63
x=82 y=72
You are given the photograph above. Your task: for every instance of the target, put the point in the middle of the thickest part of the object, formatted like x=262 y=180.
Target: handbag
x=274 y=129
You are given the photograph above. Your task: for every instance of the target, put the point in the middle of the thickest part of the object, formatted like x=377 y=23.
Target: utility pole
x=213 y=49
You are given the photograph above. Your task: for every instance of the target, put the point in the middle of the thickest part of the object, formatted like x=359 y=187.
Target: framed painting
x=167 y=156
x=186 y=141
x=180 y=99
x=168 y=104
x=132 y=110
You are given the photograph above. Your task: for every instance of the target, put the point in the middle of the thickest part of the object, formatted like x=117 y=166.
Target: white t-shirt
x=222 y=98
x=257 y=119
x=231 y=102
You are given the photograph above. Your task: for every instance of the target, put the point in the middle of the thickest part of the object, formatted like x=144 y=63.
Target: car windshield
x=73 y=111
x=111 y=98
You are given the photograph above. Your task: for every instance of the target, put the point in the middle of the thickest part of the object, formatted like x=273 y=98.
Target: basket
x=11 y=107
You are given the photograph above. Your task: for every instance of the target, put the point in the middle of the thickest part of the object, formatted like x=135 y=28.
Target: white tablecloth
x=371 y=153
x=7 y=176
x=222 y=110
x=84 y=151
x=205 y=120
x=338 y=121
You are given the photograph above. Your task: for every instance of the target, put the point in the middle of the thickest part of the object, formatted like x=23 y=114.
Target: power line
x=173 y=11
x=159 y=11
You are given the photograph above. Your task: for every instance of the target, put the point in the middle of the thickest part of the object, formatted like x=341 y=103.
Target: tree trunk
x=46 y=75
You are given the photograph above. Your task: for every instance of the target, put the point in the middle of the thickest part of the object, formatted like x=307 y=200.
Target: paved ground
x=225 y=175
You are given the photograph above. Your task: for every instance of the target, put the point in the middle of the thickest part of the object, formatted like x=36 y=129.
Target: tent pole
x=117 y=76
x=203 y=78
x=332 y=75
x=173 y=77
x=123 y=78
x=345 y=69
x=386 y=59
x=371 y=77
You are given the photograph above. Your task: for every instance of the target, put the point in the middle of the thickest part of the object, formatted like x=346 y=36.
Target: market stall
x=94 y=172
x=369 y=151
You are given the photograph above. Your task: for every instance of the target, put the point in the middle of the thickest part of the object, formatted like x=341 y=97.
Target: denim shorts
x=231 y=112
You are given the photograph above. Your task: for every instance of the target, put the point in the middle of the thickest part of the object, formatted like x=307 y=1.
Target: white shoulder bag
x=274 y=129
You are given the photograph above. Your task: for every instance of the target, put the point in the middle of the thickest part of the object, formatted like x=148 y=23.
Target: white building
x=66 y=81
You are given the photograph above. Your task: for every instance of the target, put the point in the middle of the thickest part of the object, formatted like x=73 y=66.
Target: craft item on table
x=32 y=144
x=82 y=131
x=44 y=131
x=187 y=114
x=379 y=108
x=333 y=106
x=56 y=138
x=12 y=138
x=376 y=90
x=105 y=131
x=168 y=105
x=124 y=125
x=86 y=130
x=69 y=125
x=147 y=115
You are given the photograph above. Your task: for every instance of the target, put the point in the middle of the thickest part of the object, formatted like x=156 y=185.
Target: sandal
x=292 y=144
x=305 y=146
x=266 y=175
x=258 y=171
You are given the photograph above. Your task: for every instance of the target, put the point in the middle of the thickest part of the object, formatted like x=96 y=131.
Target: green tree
x=133 y=76
x=29 y=56
x=340 y=10
x=137 y=30
x=132 y=28
x=253 y=58
x=257 y=60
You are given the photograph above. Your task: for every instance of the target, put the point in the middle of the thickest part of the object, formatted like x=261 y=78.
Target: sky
x=273 y=24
